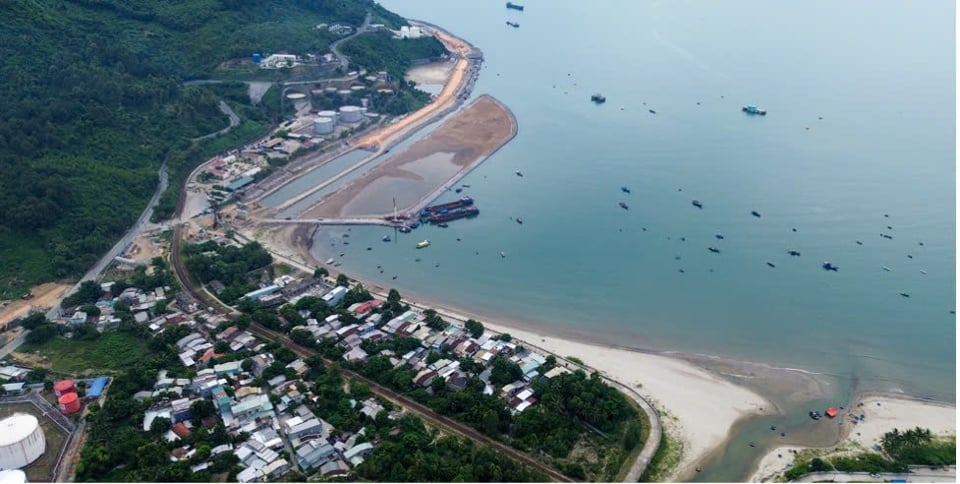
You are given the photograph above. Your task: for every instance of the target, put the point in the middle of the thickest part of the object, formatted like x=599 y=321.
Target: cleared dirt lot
x=44 y=296
x=420 y=170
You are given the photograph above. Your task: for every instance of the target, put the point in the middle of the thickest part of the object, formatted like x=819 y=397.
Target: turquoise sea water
x=879 y=73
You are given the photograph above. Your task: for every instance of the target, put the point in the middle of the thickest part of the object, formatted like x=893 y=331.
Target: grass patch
x=111 y=351
x=664 y=460
x=576 y=360
x=41 y=470
x=632 y=455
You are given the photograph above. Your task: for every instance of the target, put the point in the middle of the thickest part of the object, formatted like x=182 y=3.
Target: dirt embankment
x=44 y=296
x=469 y=136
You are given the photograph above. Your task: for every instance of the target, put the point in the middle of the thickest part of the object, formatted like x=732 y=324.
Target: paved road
x=234 y=122
x=344 y=61
x=118 y=248
x=949 y=475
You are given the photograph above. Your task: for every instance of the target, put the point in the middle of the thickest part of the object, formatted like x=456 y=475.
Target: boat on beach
x=423 y=244
x=328 y=261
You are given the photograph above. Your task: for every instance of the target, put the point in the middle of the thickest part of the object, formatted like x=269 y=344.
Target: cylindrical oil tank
x=21 y=441
x=69 y=403
x=351 y=114
x=323 y=125
x=13 y=476
x=64 y=386
x=344 y=92
x=328 y=114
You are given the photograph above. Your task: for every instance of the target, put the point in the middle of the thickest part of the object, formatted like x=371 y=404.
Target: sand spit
x=883 y=413
x=468 y=137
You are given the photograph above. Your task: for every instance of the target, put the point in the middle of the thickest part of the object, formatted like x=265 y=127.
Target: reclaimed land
x=457 y=146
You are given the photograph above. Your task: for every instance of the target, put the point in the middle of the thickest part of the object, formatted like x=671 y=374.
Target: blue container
x=256 y=58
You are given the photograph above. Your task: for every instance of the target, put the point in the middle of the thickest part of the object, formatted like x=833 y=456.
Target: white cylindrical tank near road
x=328 y=114
x=351 y=114
x=21 y=441
x=323 y=125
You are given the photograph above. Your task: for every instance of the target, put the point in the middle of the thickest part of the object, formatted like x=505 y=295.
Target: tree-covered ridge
x=92 y=101
x=381 y=52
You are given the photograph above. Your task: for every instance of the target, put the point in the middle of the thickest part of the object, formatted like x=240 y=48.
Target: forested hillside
x=92 y=101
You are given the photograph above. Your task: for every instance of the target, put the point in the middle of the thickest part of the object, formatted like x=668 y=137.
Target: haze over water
x=880 y=73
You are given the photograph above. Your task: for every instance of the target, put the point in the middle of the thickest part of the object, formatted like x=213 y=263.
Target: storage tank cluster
x=323 y=125
x=21 y=441
x=351 y=114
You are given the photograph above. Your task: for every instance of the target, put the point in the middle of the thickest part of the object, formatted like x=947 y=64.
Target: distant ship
x=751 y=109
x=425 y=243
x=515 y=6
x=513 y=24
x=625 y=189
x=598 y=98
x=696 y=203
x=624 y=206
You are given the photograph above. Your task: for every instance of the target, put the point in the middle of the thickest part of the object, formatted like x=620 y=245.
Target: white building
x=409 y=33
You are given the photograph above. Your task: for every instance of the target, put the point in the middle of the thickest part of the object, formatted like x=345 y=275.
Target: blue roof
x=239 y=183
x=96 y=387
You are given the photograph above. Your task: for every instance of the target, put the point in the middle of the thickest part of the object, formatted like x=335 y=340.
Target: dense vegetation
x=381 y=52
x=230 y=265
x=900 y=450
x=417 y=455
x=93 y=104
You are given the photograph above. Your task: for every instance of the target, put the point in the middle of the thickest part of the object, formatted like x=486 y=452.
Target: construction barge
x=434 y=209
x=457 y=213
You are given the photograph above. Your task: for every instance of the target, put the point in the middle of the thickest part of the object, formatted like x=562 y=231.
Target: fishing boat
x=458 y=190
x=442 y=225
x=652 y=111
x=770 y=264
x=386 y=238
x=519 y=173
x=794 y=253
x=624 y=206
x=502 y=254
x=752 y=109
x=696 y=203
x=515 y=6
x=755 y=213
x=328 y=261
x=904 y=294
x=828 y=266
x=424 y=243
x=598 y=98
x=519 y=220
x=714 y=250
x=719 y=236
x=513 y=24
x=625 y=189
x=885 y=268
x=404 y=229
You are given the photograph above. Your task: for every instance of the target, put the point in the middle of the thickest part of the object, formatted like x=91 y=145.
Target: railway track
x=412 y=406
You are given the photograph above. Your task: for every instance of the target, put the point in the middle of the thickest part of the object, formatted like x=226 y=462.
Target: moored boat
x=424 y=243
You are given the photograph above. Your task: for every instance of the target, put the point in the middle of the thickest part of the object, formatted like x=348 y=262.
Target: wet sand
x=453 y=149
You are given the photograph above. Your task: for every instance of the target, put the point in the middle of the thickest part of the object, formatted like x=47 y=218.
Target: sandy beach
x=673 y=385
x=464 y=140
x=883 y=413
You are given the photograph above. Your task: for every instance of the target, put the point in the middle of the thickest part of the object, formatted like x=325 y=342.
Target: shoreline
x=884 y=412
x=673 y=382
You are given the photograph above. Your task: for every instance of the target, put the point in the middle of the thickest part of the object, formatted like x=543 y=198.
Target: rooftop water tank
x=323 y=125
x=21 y=441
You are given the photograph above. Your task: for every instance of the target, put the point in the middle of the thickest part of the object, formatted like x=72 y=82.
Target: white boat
x=885 y=268
x=329 y=261
x=423 y=244
x=502 y=254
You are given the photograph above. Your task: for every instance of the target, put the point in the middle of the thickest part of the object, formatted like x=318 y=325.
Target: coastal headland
x=431 y=165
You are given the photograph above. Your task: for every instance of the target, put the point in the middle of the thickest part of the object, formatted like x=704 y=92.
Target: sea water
x=880 y=74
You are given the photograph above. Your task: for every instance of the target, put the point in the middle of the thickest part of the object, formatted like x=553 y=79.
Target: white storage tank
x=351 y=114
x=13 y=476
x=323 y=125
x=21 y=441
x=328 y=114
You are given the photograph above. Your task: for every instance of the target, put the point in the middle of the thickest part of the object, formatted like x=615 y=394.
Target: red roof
x=181 y=430
x=831 y=412
x=209 y=354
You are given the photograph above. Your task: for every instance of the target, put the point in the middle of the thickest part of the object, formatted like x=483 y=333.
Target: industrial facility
x=63 y=387
x=69 y=403
x=21 y=441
